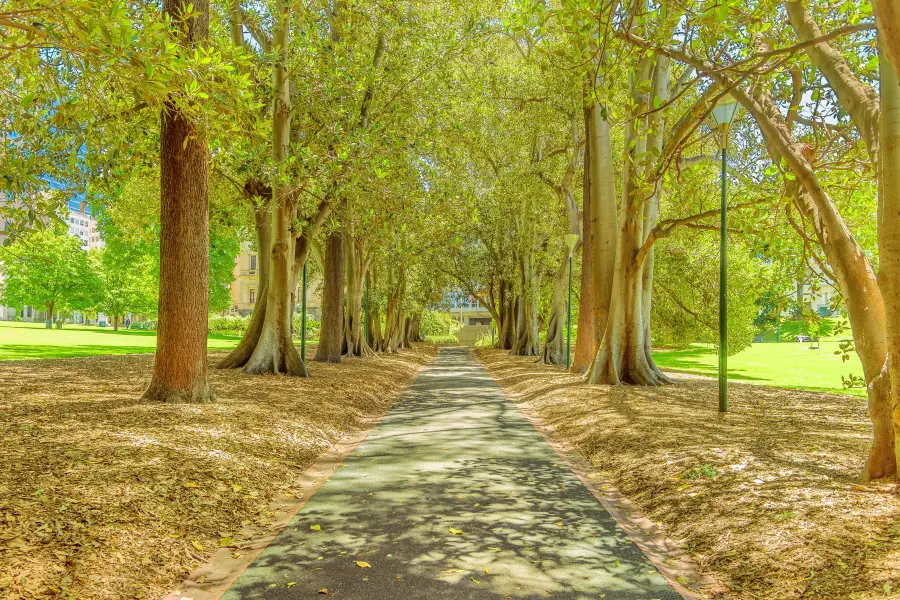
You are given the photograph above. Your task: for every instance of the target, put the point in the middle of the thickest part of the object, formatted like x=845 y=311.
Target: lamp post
x=723 y=114
x=571 y=241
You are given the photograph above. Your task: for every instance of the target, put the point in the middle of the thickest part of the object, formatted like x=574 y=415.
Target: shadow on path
x=453 y=454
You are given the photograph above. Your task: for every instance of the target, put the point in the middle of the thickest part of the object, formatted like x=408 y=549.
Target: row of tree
x=416 y=146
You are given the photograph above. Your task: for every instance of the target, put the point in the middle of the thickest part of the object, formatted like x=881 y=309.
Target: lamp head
x=723 y=114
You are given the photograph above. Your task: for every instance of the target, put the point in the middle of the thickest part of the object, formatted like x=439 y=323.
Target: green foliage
x=313 y=326
x=441 y=339
x=231 y=324
x=438 y=323
x=127 y=281
x=49 y=270
x=700 y=471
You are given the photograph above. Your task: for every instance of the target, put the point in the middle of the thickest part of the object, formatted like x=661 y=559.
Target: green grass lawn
x=19 y=341
x=785 y=364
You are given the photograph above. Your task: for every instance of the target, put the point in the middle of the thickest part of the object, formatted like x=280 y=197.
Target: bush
x=18 y=319
x=438 y=323
x=441 y=339
x=143 y=325
x=231 y=325
x=313 y=326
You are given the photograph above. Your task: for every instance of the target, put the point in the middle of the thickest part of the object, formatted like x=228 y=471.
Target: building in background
x=466 y=309
x=83 y=224
x=245 y=288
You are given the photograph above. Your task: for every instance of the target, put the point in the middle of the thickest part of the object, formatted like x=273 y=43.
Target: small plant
x=705 y=471
x=852 y=381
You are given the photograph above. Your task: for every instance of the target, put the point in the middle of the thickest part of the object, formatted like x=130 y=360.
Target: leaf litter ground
x=766 y=497
x=102 y=496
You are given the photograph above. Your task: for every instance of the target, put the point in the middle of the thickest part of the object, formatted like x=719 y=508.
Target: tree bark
x=179 y=372
x=624 y=354
x=889 y=228
x=887 y=15
x=331 y=334
x=600 y=228
x=357 y=267
x=241 y=354
x=554 y=351
x=48 y=322
x=528 y=342
x=275 y=351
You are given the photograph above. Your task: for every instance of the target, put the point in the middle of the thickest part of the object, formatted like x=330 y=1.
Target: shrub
x=143 y=325
x=438 y=323
x=441 y=339
x=313 y=326
x=231 y=325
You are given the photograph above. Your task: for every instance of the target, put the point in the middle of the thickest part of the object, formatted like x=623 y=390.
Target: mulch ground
x=102 y=496
x=765 y=497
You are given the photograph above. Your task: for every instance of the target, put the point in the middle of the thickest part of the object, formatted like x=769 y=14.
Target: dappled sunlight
x=453 y=492
x=766 y=495
x=107 y=497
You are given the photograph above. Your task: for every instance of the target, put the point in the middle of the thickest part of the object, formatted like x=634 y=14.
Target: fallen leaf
x=316 y=527
x=226 y=542
x=190 y=484
x=291 y=583
x=363 y=564
x=323 y=591
x=476 y=581
x=680 y=579
x=200 y=547
x=456 y=531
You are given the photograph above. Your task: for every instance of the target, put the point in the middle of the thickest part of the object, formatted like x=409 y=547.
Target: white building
x=83 y=225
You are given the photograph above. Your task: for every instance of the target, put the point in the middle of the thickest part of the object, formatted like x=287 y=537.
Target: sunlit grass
x=20 y=341
x=785 y=364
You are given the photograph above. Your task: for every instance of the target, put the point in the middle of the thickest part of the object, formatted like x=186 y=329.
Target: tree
x=179 y=373
x=48 y=268
x=127 y=282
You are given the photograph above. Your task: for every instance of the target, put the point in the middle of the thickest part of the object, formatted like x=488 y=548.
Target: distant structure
x=466 y=309
x=245 y=288
x=82 y=225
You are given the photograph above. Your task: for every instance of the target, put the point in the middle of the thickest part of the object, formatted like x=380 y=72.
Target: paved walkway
x=453 y=495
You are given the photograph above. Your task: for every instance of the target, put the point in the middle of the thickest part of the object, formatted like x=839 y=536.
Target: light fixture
x=723 y=114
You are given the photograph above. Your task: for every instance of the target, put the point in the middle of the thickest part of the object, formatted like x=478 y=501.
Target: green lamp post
x=723 y=114
x=571 y=242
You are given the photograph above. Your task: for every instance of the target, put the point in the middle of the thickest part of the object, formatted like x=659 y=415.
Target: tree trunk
x=357 y=266
x=48 y=322
x=624 y=354
x=331 y=334
x=528 y=341
x=600 y=230
x=889 y=229
x=179 y=372
x=115 y=322
x=241 y=354
x=554 y=352
x=555 y=346
x=887 y=14
x=275 y=351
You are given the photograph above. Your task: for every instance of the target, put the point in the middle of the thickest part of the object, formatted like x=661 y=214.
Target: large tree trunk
x=48 y=322
x=115 y=322
x=887 y=14
x=554 y=351
x=179 y=372
x=624 y=355
x=241 y=354
x=506 y=333
x=357 y=266
x=331 y=337
x=528 y=341
x=600 y=225
x=889 y=228
x=555 y=348
x=275 y=351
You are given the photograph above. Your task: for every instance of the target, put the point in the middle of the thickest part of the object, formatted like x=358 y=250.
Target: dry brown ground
x=104 y=497
x=777 y=514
